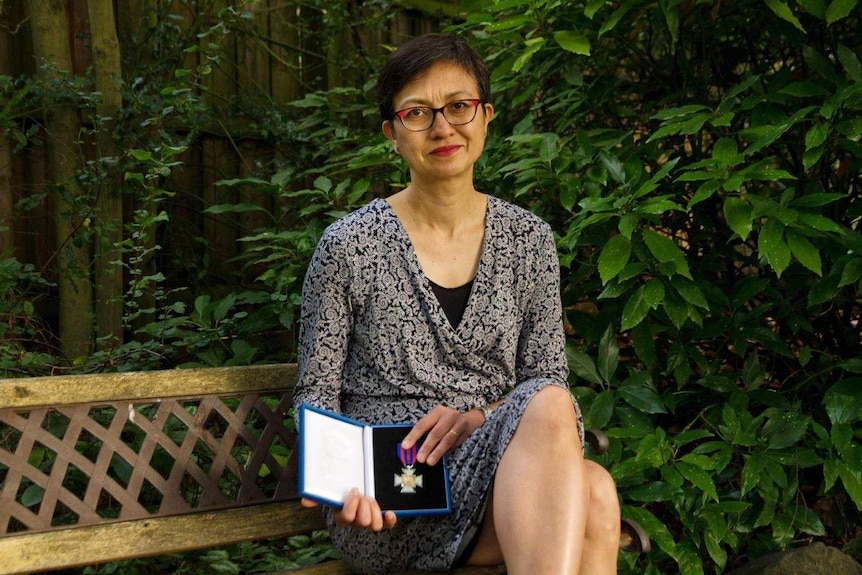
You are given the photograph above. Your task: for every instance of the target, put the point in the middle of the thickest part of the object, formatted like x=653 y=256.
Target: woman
x=440 y=306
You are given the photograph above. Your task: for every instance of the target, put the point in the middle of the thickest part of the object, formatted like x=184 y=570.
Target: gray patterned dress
x=376 y=346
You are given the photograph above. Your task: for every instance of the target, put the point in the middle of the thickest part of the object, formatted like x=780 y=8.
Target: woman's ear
x=389 y=132
x=489 y=114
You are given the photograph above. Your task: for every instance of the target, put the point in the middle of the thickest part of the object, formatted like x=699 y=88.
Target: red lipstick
x=445 y=151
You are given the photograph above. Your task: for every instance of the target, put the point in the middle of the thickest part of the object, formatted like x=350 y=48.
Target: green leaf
x=804 y=251
x=704 y=192
x=141 y=155
x=666 y=250
x=32 y=495
x=512 y=23
x=609 y=354
x=689 y=292
x=783 y=11
x=816 y=200
x=600 y=411
x=676 y=308
x=583 y=365
x=751 y=472
x=851 y=272
x=819 y=223
x=852 y=481
x=823 y=290
x=678 y=112
x=234 y=208
x=636 y=309
x=243 y=352
x=654 y=293
x=592 y=7
x=726 y=152
x=323 y=184
x=636 y=393
x=844 y=401
x=532 y=46
x=806 y=89
x=614 y=257
x=699 y=478
x=839 y=9
x=816 y=135
x=644 y=343
x=771 y=245
x=657 y=529
x=614 y=19
x=850 y=61
x=816 y=8
x=615 y=168
x=785 y=431
x=807 y=521
x=573 y=41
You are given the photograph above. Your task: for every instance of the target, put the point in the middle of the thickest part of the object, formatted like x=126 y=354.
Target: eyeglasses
x=421 y=118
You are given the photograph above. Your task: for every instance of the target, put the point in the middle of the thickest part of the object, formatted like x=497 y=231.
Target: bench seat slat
x=143 y=538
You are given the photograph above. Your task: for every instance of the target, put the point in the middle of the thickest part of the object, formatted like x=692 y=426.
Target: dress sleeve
x=542 y=341
x=325 y=327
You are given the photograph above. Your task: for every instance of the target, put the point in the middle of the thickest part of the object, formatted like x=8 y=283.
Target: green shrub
x=700 y=165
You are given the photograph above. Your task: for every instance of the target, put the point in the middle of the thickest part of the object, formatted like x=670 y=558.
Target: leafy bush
x=699 y=163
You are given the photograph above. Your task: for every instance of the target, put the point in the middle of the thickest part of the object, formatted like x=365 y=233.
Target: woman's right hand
x=360 y=512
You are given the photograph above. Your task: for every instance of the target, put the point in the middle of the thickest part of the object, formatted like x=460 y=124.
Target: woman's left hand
x=446 y=429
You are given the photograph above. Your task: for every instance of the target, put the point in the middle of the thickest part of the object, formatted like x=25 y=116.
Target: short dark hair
x=416 y=56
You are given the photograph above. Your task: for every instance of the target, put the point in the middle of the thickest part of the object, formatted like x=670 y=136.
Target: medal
x=408 y=481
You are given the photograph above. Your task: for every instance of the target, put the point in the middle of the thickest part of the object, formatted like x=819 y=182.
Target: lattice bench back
x=139 y=457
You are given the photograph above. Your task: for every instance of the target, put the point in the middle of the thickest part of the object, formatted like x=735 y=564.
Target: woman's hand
x=360 y=512
x=446 y=429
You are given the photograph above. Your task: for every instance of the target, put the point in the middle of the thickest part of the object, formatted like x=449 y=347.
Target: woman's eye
x=416 y=113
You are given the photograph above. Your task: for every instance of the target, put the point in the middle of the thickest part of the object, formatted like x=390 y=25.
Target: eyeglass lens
x=421 y=118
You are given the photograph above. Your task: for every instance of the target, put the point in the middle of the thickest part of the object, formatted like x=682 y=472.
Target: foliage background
x=700 y=164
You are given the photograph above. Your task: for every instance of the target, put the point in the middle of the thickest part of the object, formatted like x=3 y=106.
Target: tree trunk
x=109 y=228
x=51 y=43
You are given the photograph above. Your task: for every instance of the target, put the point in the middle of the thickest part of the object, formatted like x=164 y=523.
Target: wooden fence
x=278 y=50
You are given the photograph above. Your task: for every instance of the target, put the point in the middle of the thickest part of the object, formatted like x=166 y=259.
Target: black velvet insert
x=431 y=496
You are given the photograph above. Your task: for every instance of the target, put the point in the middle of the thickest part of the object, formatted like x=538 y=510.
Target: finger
x=389 y=519
x=347 y=515
x=440 y=434
x=421 y=428
x=376 y=515
x=308 y=503
x=448 y=442
x=364 y=516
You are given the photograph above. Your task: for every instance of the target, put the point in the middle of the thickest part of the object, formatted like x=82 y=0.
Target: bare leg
x=602 y=543
x=543 y=499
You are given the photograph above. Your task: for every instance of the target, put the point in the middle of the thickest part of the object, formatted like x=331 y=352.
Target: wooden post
x=7 y=201
x=50 y=28
x=109 y=224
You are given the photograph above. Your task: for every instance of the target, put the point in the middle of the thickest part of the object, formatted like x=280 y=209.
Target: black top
x=453 y=300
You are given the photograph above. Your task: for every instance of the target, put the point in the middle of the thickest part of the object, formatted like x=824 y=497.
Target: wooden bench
x=107 y=467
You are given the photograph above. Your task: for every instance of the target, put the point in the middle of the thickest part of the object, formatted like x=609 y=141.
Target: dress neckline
x=476 y=284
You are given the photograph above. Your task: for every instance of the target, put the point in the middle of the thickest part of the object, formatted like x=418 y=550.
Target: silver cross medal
x=408 y=481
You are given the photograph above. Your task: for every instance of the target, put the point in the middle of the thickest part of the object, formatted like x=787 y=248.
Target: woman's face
x=443 y=151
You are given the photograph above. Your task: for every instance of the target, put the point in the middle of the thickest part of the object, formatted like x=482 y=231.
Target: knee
x=551 y=409
x=604 y=504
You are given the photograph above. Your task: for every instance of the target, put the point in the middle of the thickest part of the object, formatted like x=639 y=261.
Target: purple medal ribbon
x=408 y=456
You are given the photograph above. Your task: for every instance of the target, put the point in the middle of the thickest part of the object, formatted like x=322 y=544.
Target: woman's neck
x=441 y=208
